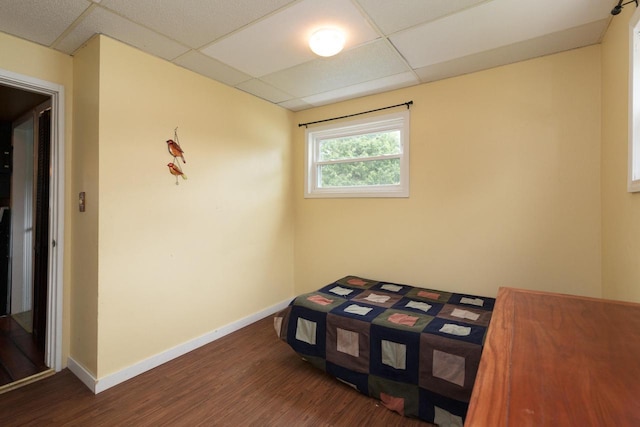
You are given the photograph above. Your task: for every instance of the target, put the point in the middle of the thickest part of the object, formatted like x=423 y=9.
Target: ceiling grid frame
x=466 y=36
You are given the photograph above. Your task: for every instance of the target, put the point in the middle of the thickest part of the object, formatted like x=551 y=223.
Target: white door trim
x=53 y=350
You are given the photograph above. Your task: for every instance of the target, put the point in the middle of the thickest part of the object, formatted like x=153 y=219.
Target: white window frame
x=633 y=180
x=393 y=121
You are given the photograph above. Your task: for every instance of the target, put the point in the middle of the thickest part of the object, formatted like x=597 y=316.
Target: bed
x=416 y=350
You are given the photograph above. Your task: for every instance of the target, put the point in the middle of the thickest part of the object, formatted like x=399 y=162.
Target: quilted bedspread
x=417 y=350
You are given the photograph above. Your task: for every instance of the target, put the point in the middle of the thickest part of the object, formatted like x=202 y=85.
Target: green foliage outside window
x=361 y=172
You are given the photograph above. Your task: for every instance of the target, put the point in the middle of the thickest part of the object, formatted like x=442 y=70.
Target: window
x=364 y=158
x=633 y=182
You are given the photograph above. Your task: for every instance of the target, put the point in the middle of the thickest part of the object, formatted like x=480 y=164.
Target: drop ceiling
x=260 y=46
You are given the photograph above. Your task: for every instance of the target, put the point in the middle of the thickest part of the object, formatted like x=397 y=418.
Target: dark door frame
x=41 y=227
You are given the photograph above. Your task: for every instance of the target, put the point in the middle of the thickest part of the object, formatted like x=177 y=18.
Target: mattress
x=415 y=349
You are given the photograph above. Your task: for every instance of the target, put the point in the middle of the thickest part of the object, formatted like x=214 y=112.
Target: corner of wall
x=84 y=225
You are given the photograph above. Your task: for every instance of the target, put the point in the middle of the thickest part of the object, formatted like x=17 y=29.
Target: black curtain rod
x=408 y=104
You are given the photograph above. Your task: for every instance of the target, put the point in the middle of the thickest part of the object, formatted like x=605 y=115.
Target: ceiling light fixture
x=326 y=41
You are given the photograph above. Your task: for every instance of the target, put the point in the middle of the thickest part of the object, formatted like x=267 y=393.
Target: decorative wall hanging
x=173 y=146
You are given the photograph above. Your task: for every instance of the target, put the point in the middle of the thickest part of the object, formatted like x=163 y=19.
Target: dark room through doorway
x=25 y=165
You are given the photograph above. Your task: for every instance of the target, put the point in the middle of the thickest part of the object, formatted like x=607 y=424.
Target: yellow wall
x=505 y=187
x=29 y=59
x=151 y=265
x=620 y=209
x=179 y=261
x=84 y=308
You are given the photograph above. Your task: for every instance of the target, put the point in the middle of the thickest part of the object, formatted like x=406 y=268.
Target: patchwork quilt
x=417 y=350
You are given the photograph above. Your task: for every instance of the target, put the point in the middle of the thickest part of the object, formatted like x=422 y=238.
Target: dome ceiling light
x=327 y=41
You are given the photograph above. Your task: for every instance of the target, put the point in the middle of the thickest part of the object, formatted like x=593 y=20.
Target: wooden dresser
x=558 y=360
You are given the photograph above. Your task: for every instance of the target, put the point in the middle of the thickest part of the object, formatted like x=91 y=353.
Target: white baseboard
x=82 y=373
x=108 y=381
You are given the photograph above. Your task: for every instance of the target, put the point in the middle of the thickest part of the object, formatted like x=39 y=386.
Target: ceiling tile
x=102 y=21
x=371 y=61
x=295 y=105
x=393 y=16
x=260 y=46
x=264 y=91
x=207 y=66
x=583 y=35
x=491 y=25
x=39 y=21
x=396 y=81
x=280 y=40
x=194 y=22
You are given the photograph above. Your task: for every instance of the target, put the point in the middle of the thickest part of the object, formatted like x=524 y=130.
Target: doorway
x=24 y=184
x=32 y=238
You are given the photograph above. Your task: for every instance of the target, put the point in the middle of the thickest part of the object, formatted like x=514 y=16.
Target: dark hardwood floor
x=19 y=355
x=247 y=378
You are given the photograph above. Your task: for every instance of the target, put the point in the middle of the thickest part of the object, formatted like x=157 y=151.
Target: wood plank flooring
x=19 y=355
x=247 y=378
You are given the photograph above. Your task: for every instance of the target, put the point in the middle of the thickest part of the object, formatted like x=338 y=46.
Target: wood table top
x=558 y=360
